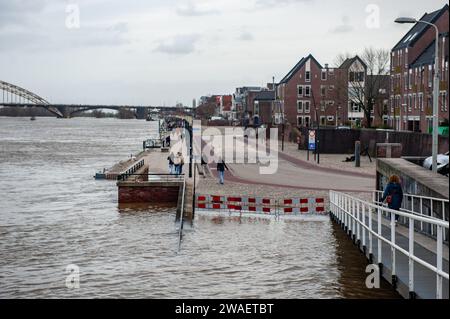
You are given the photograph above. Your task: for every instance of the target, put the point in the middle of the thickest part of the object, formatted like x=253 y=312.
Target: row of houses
x=352 y=93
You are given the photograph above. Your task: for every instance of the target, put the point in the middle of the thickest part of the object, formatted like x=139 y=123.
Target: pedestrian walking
x=221 y=166
x=204 y=168
x=181 y=163
x=170 y=158
x=393 y=194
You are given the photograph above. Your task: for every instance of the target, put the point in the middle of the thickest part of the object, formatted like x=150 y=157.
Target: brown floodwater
x=53 y=213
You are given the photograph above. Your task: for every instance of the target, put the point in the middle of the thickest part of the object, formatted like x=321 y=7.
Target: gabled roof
x=265 y=96
x=297 y=67
x=348 y=62
x=426 y=57
x=419 y=28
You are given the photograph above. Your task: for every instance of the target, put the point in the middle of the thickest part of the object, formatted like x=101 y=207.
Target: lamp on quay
x=403 y=20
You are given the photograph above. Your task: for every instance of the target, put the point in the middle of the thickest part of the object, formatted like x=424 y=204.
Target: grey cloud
x=345 y=27
x=246 y=36
x=262 y=4
x=114 y=35
x=18 y=12
x=93 y=36
x=179 y=44
x=190 y=9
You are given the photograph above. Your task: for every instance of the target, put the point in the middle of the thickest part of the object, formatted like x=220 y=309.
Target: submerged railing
x=180 y=232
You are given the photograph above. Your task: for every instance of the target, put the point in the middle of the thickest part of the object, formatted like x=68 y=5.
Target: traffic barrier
x=262 y=205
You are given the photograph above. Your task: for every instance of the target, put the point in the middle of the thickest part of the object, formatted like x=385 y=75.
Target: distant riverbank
x=41 y=112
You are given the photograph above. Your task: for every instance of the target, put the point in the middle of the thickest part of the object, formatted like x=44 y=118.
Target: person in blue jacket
x=393 y=194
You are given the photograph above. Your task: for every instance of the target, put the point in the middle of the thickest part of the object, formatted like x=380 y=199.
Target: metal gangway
x=412 y=260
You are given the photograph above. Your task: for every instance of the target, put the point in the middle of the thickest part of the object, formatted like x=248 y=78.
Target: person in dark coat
x=393 y=194
x=221 y=166
x=170 y=158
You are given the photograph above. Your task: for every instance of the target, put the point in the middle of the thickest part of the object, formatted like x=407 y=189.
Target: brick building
x=412 y=70
x=263 y=107
x=225 y=106
x=242 y=103
x=306 y=93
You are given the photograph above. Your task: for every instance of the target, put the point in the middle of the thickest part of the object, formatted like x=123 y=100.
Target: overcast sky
x=159 y=52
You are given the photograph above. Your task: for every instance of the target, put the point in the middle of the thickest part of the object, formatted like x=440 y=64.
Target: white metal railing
x=422 y=205
x=356 y=215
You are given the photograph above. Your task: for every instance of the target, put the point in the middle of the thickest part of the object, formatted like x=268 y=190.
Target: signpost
x=311 y=141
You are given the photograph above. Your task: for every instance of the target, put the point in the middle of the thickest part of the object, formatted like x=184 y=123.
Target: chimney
x=326 y=66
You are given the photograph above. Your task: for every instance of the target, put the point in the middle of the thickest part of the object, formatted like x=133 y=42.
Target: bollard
x=394 y=281
x=357 y=154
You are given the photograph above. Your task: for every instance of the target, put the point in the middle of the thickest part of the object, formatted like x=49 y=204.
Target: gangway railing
x=432 y=207
x=151 y=177
x=131 y=170
x=355 y=215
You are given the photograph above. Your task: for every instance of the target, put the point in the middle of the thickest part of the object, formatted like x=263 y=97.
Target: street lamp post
x=435 y=89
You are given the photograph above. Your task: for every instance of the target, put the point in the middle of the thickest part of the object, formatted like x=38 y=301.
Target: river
x=53 y=214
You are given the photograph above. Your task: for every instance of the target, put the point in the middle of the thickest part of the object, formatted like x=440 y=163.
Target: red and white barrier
x=289 y=206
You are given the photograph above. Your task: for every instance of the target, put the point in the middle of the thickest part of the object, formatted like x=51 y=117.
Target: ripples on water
x=53 y=213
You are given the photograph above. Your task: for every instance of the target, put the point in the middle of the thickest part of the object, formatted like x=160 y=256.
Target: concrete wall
x=146 y=193
x=418 y=181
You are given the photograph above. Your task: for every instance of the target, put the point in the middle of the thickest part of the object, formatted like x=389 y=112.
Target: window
x=308 y=76
x=323 y=120
x=361 y=76
x=324 y=75
x=444 y=101
x=322 y=106
x=307 y=106
x=256 y=108
x=299 y=120
x=430 y=76
x=414 y=101
x=446 y=72
x=307 y=90
x=299 y=106
x=410 y=79
x=421 y=101
x=409 y=103
x=354 y=107
x=307 y=121
x=323 y=91
x=406 y=57
x=300 y=90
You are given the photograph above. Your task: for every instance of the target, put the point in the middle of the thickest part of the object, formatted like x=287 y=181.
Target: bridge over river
x=14 y=96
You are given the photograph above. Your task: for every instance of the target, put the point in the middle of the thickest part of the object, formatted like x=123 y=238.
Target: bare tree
x=368 y=91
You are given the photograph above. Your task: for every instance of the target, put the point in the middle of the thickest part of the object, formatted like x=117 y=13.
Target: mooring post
x=357 y=154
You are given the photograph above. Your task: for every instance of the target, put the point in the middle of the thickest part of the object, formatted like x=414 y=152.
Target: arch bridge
x=15 y=96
